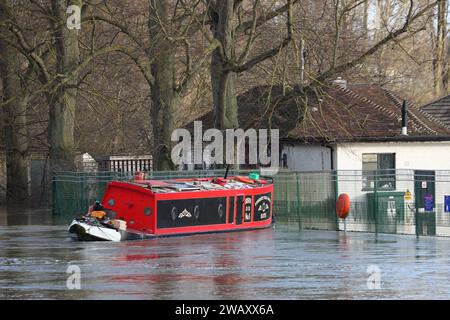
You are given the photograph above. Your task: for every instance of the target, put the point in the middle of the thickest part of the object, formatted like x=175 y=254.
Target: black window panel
x=190 y=212
x=239 y=206
x=231 y=210
x=379 y=167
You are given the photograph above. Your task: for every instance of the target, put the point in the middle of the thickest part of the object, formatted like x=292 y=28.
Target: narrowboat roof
x=200 y=184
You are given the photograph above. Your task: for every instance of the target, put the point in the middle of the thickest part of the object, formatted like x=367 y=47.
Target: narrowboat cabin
x=143 y=209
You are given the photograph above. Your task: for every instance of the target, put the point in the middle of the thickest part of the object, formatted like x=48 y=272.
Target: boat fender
x=343 y=206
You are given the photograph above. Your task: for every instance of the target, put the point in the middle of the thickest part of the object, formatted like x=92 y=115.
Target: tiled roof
x=332 y=113
x=439 y=109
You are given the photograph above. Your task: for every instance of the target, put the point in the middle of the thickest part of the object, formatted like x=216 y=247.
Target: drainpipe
x=404 y=119
x=334 y=175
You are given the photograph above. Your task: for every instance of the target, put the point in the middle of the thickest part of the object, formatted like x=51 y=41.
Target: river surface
x=36 y=254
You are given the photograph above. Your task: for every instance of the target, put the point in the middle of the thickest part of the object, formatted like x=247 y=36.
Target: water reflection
x=15 y=215
x=270 y=264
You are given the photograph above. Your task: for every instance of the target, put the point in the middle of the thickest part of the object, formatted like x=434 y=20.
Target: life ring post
x=343 y=208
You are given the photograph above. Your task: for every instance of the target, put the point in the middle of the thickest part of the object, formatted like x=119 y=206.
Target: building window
x=378 y=167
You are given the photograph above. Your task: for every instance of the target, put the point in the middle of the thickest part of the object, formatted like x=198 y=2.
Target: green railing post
x=286 y=188
x=299 y=214
x=336 y=196
x=375 y=199
x=54 y=194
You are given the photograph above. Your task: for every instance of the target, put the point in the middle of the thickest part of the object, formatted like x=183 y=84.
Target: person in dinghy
x=98 y=225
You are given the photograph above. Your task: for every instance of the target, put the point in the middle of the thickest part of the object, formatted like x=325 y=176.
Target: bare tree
x=439 y=61
x=163 y=88
x=58 y=68
x=63 y=97
x=227 y=61
x=167 y=72
x=413 y=14
x=14 y=101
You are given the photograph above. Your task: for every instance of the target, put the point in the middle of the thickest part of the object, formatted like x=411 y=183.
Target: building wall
x=410 y=156
x=307 y=157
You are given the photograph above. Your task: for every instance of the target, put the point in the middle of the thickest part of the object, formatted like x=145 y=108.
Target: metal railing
x=415 y=202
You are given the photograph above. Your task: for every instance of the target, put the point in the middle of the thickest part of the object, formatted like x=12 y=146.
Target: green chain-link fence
x=397 y=202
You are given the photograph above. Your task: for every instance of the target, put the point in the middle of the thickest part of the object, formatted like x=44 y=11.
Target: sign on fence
x=447 y=203
x=408 y=195
x=429 y=203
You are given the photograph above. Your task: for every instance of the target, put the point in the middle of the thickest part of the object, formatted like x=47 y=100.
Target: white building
x=363 y=133
x=358 y=133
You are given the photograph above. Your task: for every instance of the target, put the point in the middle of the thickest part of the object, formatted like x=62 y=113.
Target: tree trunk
x=164 y=95
x=439 y=54
x=63 y=99
x=223 y=82
x=15 y=132
x=224 y=97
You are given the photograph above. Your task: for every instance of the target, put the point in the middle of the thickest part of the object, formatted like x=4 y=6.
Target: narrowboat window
x=147 y=211
x=111 y=202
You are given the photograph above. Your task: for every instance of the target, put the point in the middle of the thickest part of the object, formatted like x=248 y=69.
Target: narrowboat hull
x=152 y=209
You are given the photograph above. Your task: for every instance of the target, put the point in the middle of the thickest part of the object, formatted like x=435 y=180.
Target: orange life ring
x=343 y=206
x=244 y=179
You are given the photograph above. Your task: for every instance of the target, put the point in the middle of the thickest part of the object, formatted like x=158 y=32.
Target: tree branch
x=245 y=26
x=391 y=36
x=270 y=53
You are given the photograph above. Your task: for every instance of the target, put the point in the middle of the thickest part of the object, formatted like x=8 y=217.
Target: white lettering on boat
x=264 y=198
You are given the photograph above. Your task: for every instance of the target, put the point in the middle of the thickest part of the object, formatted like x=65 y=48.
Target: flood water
x=281 y=263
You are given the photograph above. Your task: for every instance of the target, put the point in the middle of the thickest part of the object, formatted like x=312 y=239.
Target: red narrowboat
x=144 y=209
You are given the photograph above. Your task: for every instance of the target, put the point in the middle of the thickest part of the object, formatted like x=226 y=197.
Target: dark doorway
x=425 y=200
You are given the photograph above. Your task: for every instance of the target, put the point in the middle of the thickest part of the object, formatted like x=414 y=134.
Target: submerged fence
x=392 y=201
